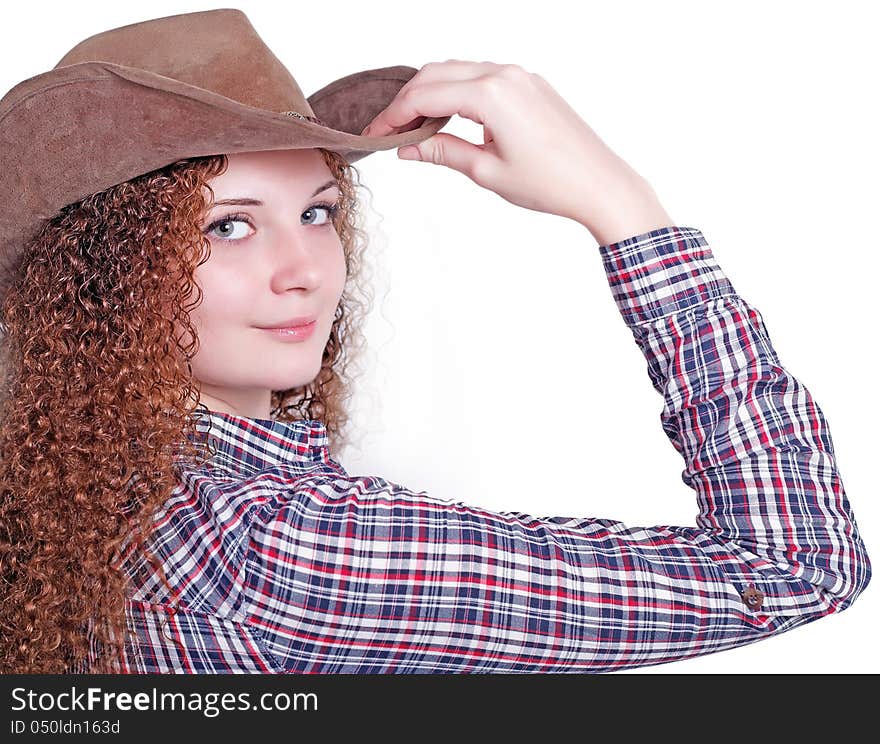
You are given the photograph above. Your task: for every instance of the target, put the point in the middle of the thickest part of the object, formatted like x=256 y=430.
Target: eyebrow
x=257 y=203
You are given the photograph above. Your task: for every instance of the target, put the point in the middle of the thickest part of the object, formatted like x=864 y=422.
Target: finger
x=451 y=69
x=453 y=152
x=437 y=99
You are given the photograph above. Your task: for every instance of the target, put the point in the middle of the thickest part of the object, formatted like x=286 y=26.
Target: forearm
x=756 y=445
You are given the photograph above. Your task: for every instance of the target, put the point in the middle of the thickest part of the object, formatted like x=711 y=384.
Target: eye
x=330 y=209
x=224 y=222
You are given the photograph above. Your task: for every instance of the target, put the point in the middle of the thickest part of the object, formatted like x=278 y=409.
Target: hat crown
x=218 y=50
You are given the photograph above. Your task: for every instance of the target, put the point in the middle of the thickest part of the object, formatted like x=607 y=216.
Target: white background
x=499 y=370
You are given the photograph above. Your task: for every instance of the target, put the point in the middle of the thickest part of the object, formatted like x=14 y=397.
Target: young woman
x=175 y=351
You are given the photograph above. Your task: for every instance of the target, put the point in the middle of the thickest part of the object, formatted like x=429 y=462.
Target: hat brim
x=79 y=129
x=345 y=107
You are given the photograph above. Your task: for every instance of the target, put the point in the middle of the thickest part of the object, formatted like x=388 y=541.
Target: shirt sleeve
x=354 y=574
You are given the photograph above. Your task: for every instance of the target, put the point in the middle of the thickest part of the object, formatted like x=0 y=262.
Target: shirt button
x=753 y=597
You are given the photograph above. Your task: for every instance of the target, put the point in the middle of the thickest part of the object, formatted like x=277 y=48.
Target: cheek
x=225 y=290
x=220 y=323
x=338 y=271
x=226 y=298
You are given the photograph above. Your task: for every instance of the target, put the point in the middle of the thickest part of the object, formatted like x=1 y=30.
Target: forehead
x=289 y=171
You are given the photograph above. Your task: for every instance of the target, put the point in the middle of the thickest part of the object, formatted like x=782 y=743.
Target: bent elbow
x=848 y=585
x=859 y=582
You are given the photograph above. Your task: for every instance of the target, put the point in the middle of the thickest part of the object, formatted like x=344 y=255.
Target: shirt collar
x=255 y=443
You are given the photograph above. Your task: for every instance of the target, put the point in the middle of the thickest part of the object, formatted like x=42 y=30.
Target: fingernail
x=410 y=152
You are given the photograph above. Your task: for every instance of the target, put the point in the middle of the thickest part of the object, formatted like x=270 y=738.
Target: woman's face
x=277 y=260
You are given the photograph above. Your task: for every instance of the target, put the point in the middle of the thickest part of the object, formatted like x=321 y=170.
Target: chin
x=296 y=381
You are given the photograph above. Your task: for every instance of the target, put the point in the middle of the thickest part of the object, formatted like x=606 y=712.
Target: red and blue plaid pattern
x=284 y=562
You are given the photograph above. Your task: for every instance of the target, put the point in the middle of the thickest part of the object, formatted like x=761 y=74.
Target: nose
x=297 y=263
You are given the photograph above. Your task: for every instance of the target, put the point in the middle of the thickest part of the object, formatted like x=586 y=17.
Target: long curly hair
x=97 y=400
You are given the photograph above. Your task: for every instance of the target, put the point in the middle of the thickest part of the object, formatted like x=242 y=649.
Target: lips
x=292 y=322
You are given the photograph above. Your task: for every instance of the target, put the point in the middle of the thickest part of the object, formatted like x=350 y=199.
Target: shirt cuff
x=662 y=272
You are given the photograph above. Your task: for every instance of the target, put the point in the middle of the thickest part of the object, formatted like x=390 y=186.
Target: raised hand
x=537 y=152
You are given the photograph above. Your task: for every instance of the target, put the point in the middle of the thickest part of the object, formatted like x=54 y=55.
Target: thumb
x=445 y=149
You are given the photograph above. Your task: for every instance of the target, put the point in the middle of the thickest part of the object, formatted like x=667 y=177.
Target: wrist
x=631 y=210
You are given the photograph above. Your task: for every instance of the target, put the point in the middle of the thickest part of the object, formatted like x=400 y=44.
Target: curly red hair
x=97 y=400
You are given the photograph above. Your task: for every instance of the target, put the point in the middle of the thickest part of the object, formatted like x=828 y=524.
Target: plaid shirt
x=284 y=562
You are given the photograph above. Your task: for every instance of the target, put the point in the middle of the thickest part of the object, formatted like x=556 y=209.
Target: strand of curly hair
x=97 y=399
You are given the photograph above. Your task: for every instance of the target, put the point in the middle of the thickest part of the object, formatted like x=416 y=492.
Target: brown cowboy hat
x=136 y=98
